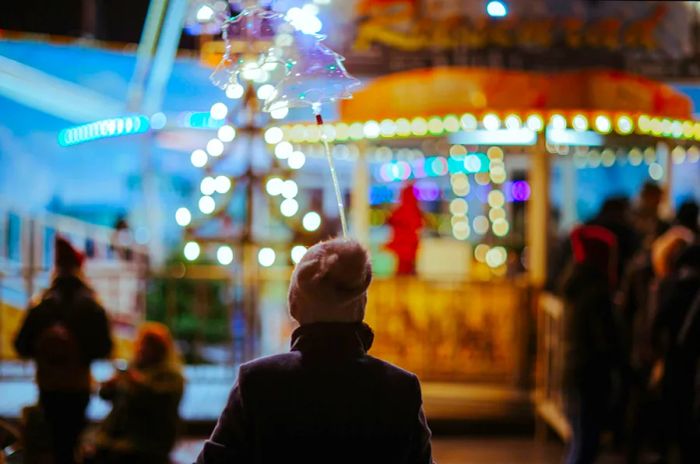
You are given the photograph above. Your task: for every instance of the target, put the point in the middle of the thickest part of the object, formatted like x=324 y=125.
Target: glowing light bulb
x=226 y=133
x=266 y=257
x=311 y=221
x=283 y=150
x=289 y=207
x=235 y=91
x=264 y=91
x=191 y=251
x=496 y=9
x=218 y=111
x=199 y=158
x=273 y=135
x=207 y=186
x=207 y=204
x=289 y=189
x=222 y=184
x=215 y=147
x=297 y=253
x=224 y=255
x=296 y=160
x=183 y=217
x=274 y=186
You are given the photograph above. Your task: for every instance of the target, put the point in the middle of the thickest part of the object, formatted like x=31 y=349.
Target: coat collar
x=333 y=339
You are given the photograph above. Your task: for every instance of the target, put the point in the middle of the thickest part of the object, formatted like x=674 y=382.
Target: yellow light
x=656 y=126
x=513 y=122
x=498 y=175
x=313 y=134
x=481 y=225
x=183 y=217
x=480 y=252
x=357 y=130
x=602 y=124
x=435 y=126
x=693 y=154
x=491 y=122
x=644 y=124
x=457 y=151
x=454 y=220
x=649 y=155
x=266 y=257
x=666 y=127
x=656 y=171
x=678 y=155
x=468 y=122
x=635 y=157
x=459 y=207
x=403 y=127
x=496 y=199
x=580 y=123
x=311 y=221
x=387 y=128
x=496 y=256
x=494 y=153
x=342 y=131
x=677 y=129
x=297 y=133
x=482 y=178
x=500 y=227
x=624 y=125
x=460 y=184
x=496 y=213
x=451 y=123
x=371 y=129
x=419 y=126
x=608 y=158
x=535 y=122
x=557 y=121
x=461 y=231
x=688 y=129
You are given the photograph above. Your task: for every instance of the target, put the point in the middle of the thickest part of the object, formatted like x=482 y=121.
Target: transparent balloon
x=316 y=76
x=249 y=37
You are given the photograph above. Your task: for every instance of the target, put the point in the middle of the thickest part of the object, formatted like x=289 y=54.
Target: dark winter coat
x=71 y=303
x=325 y=401
x=144 y=417
x=592 y=352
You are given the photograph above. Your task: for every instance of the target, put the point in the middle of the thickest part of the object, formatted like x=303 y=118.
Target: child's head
x=154 y=345
x=330 y=283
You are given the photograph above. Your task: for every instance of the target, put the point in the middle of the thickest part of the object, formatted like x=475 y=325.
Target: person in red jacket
x=326 y=400
x=63 y=333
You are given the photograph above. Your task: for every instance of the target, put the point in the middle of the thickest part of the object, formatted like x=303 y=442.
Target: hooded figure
x=590 y=336
x=63 y=333
x=327 y=400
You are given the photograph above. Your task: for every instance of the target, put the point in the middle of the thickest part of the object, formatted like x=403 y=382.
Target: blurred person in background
x=614 y=215
x=679 y=265
x=592 y=353
x=327 y=400
x=142 y=426
x=689 y=352
x=636 y=311
x=645 y=217
x=63 y=333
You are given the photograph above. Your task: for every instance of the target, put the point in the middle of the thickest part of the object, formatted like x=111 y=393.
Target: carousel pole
x=538 y=212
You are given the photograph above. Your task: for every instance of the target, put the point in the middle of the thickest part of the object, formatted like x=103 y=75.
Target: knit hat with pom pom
x=330 y=283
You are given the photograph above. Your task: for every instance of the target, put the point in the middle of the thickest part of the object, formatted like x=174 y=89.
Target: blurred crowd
x=631 y=295
x=64 y=331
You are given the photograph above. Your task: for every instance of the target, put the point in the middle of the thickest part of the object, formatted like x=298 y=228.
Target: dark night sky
x=118 y=20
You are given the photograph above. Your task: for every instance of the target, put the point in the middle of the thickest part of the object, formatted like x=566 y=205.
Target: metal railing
x=548 y=395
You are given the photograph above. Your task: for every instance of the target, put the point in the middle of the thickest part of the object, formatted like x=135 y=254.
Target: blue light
x=496 y=9
x=104 y=128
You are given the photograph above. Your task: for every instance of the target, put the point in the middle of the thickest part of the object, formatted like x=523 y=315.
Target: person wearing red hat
x=327 y=400
x=592 y=355
x=63 y=333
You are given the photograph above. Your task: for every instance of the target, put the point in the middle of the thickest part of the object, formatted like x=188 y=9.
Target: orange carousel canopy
x=448 y=90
